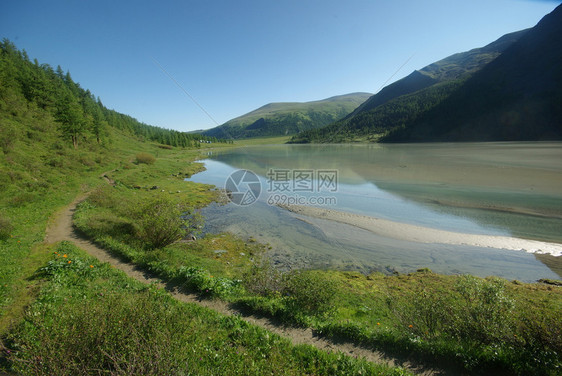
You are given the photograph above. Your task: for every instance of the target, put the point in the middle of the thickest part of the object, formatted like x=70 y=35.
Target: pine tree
x=71 y=117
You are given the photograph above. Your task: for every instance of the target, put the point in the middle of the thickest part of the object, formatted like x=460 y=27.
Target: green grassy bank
x=465 y=322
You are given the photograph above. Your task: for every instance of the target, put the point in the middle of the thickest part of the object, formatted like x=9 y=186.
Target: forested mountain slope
x=403 y=101
x=277 y=119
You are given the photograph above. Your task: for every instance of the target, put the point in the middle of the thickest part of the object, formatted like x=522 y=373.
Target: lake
x=488 y=189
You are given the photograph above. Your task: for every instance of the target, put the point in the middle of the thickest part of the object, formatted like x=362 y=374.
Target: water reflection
x=479 y=188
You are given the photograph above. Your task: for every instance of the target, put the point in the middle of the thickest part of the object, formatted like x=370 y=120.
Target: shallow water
x=512 y=189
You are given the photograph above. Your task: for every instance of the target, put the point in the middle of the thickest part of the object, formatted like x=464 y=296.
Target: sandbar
x=421 y=234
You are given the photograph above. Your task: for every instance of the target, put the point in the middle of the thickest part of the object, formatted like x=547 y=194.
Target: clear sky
x=235 y=56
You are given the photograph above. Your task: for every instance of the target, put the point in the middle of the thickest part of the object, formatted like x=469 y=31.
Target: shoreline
x=421 y=234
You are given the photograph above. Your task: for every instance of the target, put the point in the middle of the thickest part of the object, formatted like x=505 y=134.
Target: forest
x=78 y=113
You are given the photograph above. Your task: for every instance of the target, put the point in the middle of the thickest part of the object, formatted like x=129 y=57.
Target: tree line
x=79 y=114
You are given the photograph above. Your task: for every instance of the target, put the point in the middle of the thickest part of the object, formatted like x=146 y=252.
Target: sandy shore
x=420 y=234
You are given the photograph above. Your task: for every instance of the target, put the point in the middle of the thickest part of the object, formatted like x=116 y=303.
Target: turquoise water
x=512 y=189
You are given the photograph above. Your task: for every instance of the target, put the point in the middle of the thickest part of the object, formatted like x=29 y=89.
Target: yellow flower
x=378 y=323
x=65 y=256
x=91 y=266
x=410 y=326
x=69 y=261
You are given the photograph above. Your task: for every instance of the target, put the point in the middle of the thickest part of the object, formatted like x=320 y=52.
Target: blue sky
x=235 y=56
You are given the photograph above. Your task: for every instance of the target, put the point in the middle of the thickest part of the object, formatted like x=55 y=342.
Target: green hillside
x=404 y=100
x=518 y=96
x=280 y=119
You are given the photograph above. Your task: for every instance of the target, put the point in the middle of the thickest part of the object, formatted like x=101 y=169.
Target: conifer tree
x=71 y=117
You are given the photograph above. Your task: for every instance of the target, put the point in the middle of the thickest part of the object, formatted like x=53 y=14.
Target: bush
x=206 y=284
x=162 y=221
x=310 y=292
x=6 y=228
x=145 y=158
x=475 y=308
x=263 y=279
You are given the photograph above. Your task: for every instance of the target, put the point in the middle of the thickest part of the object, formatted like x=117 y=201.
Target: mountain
x=404 y=100
x=275 y=119
x=518 y=96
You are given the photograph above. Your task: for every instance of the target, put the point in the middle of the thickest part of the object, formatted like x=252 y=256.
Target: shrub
x=263 y=279
x=22 y=199
x=310 y=292
x=162 y=221
x=206 y=284
x=427 y=312
x=485 y=308
x=476 y=308
x=6 y=228
x=145 y=158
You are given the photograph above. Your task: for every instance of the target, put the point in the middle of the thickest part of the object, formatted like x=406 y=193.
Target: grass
x=90 y=318
x=474 y=324
x=263 y=141
x=63 y=312
x=466 y=322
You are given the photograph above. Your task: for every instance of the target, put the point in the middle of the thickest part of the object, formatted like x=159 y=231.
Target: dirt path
x=61 y=229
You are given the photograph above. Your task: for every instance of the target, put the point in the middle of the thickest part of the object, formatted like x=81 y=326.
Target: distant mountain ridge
x=285 y=118
x=508 y=90
x=404 y=100
x=451 y=68
x=518 y=96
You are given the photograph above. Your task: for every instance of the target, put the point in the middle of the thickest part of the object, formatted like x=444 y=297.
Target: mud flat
x=420 y=234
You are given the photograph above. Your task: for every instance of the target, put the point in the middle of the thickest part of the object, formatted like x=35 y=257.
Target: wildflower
x=378 y=323
x=69 y=261
x=65 y=256
x=410 y=326
x=91 y=266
